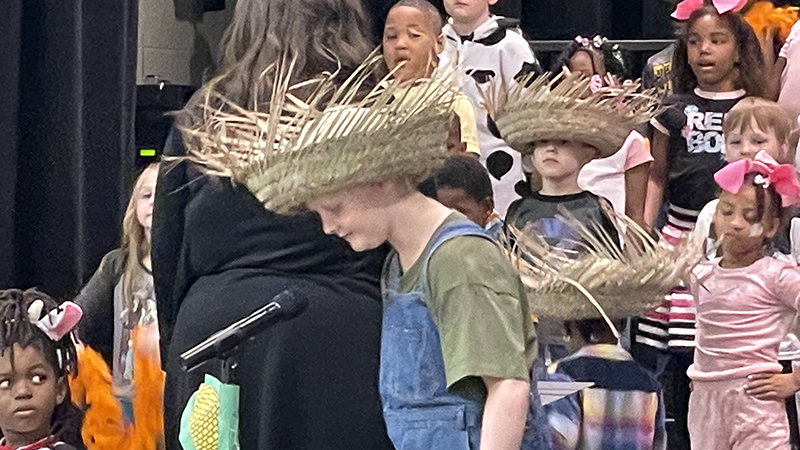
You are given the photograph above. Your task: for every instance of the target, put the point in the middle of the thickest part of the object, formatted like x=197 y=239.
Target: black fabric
x=63 y=446
x=696 y=147
x=66 y=124
x=10 y=23
x=657 y=70
x=218 y=255
x=97 y=301
x=609 y=374
x=541 y=212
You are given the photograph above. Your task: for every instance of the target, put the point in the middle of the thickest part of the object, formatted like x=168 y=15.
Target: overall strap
x=461 y=227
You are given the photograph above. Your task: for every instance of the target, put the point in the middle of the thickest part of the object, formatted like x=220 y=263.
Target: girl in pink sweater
x=745 y=303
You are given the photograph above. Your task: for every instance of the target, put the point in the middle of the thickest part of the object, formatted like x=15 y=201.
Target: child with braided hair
x=36 y=357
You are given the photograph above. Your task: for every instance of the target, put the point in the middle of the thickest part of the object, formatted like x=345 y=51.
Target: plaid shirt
x=624 y=410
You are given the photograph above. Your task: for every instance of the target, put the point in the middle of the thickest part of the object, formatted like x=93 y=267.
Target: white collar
x=728 y=95
x=483 y=30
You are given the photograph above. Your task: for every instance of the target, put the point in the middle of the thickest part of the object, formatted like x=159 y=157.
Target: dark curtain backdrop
x=67 y=85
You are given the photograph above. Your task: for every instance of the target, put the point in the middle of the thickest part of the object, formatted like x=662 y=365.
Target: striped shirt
x=672 y=325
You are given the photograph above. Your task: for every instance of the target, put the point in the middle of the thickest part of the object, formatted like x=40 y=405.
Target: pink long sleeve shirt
x=742 y=315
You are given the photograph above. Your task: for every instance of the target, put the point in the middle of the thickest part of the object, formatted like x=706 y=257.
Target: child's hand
x=771 y=386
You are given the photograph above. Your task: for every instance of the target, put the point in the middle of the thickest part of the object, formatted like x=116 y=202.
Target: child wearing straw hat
x=457 y=341
x=565 y=244
x=563 y=130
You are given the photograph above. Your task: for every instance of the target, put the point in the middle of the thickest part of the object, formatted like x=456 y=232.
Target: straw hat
x=302 y=148
x=564 y=108
x=600 y=280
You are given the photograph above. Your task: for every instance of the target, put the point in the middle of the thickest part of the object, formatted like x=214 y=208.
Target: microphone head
x=291 y=302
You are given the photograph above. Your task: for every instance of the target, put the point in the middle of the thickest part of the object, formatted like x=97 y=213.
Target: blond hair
x=767 y=115
x=135 y=244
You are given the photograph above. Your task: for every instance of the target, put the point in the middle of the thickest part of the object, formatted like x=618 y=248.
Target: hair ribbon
x=782 y=177
x=685 y=8
x=582 y=41
x=595 y=43
x=56 y=323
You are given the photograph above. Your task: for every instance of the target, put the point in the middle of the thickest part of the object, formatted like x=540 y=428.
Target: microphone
x=284 y=306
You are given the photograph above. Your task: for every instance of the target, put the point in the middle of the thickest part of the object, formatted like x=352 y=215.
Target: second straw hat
x=564 y=108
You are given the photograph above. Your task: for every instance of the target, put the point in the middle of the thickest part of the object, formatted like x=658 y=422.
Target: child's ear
x=438 y=45
x=773 y=226
x=62 y=388
x=488 y=206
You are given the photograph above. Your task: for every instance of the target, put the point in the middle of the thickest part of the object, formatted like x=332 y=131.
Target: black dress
x=307 y=383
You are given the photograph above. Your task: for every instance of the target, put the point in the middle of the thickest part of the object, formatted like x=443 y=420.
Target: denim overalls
x=419 y=412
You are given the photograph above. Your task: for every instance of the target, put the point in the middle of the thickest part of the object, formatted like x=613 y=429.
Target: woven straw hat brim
x=521 y=129
x=574 y=305
x=412 y=151
x=563 y=108
x=622 y=288
x=603 y=280
x=297 y=149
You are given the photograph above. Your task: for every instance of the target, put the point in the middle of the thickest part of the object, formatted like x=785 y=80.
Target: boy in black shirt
x=563 y=124
x=558 y=163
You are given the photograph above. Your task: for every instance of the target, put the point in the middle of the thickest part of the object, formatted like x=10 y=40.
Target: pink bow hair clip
x=582 y=41
x=687 y=7
x=56 y=323
x=596 y=42
x=782 y=176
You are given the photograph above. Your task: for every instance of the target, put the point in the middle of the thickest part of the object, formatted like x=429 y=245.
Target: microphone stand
x=227 y=345
x=229 y=359
x=229 y=364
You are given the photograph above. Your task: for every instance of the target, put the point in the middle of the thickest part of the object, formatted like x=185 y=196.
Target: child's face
x=467 y=11
x=145 y=195
x=557 y=160
x=355 y=214
x=458 y=199
x=749 y=140
x=29 y=392
x=736 y=224
x=712 y=54
x=408 y=38
x=581 y=62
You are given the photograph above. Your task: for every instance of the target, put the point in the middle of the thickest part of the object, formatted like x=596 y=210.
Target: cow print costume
x=495 y=48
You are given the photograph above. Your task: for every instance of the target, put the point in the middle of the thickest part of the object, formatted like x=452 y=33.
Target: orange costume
x=104 y=426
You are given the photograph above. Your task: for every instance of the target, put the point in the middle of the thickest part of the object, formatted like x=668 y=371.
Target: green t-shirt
x=479 y=305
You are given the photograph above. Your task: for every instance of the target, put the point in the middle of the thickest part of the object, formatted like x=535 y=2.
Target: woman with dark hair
x=307 y=383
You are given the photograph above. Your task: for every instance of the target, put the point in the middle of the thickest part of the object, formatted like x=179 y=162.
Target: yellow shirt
x=466 y=114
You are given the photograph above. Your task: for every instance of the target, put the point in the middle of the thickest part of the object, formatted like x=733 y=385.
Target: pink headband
x=782 y=176
x=687 y=7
